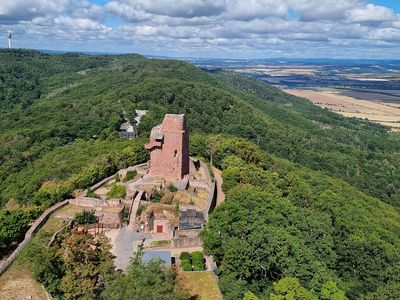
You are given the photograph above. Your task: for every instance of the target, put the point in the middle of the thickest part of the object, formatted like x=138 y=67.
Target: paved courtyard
x=124 y=244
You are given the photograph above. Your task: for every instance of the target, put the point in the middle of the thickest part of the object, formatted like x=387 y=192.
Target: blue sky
x=394 y=4
x=208 y=28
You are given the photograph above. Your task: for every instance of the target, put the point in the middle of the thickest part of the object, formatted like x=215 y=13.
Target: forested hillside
x=281 y=222
x=311 y=194
x=63 y=105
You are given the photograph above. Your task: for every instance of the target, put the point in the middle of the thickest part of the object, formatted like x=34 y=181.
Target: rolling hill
x=326 y=187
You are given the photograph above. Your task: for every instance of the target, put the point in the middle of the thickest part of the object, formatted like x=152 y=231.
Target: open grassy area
x=17 y=283
x=201 y=284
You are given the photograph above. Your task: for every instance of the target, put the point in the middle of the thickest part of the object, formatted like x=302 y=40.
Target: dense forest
x=313 y=198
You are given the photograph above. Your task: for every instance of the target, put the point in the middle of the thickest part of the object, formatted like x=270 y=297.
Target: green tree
x=330 y=291
x=88 y=264
x=289 y=288
x=249 y=296
x=145 y=281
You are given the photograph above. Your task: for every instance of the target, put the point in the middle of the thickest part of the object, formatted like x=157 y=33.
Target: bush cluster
x=86 y=217
x=130 y=175
x=192 y=261
x=116 y=191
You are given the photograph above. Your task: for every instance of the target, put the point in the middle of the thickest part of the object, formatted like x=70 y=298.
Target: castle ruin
x=169 y=148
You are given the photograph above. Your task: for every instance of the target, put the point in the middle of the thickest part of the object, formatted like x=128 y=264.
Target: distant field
x=385 y=96
x=282 y=70
x=387 y=114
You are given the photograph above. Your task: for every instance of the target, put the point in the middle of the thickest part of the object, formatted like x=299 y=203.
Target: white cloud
x=12 y=11
x=141 y=9
x=312 y=10
x=256 y=27
x=371 y=13
x=78 y=23
x=385 y=34
x=255 y=9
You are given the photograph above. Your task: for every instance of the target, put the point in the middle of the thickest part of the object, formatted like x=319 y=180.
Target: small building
x=190 y=219
x=162 y=219
x=126 y=131
x=127 y=134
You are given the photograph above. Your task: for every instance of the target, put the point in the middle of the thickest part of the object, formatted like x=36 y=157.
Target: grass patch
x=161 y=243
x=130 y=175
x=201 y=284
x=116 y=192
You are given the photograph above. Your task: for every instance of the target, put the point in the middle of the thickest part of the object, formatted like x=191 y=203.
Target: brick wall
x=170 y=157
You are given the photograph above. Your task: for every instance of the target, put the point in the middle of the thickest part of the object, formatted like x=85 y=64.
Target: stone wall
x=212 y=200
x=30 y=233
x=186 y=238
x=94 y=202
x=113 y=218
x=100 y=183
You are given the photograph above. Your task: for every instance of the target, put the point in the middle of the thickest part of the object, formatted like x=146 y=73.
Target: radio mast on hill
x=9 y=40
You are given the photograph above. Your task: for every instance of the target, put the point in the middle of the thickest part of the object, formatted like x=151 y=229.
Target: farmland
x=385 y=113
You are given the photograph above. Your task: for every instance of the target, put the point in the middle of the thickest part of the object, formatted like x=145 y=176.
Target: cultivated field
x=387 y=114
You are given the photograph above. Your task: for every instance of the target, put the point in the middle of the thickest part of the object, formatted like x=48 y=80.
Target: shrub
x=172 y=188
x=186 y=265
x=91 y=194
x=117 y=178
x=117 y=191
x=130 y=175
x=125 y=215
x=198 y=261
x=161 y=243
x=140 y=209
x=185 y=255
x=86 y=217
x=157 y=197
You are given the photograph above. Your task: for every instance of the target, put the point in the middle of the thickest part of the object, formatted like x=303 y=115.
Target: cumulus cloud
x=244 y=27
x=141 y=9
x=255 y=9
x=371 y=13
x=311 y=10
x=16 y=10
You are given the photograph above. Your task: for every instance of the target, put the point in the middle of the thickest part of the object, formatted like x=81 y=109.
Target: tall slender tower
x=9 y=40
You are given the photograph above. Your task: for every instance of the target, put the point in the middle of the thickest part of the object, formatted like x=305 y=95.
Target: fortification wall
x=212 y=200
x=94 y=202
x=30 y=233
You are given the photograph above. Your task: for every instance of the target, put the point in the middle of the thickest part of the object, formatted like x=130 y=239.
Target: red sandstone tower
x=169 y=148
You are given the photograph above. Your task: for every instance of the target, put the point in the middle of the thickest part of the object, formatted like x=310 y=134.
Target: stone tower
x=169 y=148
